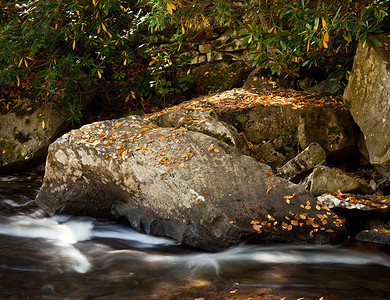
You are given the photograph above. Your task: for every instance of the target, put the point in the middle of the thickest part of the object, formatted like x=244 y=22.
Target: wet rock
x=377 y=236
x=178 y=183
x=327 y=180
x=366 y=96
x=305 y=161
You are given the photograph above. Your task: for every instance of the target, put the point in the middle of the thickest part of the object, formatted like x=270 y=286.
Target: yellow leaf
x=169 y=8
x=25 y=62
x=183 y=29
x=56 y=26
x=43 y=124
x=77 y=12
x=325 y=40
x=233 y=292
x=127 y=98
x=74 y=44
x=323 y=22
x=326 y=37
x=308 y=46
x=20 y=63
x=99 y=74
x=98 y=31
x=104 y=27
x=125 y=62
x=204 y=19
x=153 y=61
x=270 y=30
x=17 y=77
x=3 y=152
x=132 y=94
x=94 y=2
x=364 y=44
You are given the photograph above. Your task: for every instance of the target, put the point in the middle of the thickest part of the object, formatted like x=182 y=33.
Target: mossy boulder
x=291 y=130
x=25 y=138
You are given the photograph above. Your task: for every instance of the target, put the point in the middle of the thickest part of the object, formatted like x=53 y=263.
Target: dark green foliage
x=54 y=51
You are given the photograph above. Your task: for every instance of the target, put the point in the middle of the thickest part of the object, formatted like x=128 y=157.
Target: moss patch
x=9 y=152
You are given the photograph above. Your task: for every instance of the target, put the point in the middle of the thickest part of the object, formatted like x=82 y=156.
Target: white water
x=63 y=232
x=67 y=258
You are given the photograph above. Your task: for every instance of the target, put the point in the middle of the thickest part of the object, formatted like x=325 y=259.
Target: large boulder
x=25 y=137
x=331 y=180
x=288 y=127
x=367 y=97
x=178 y=183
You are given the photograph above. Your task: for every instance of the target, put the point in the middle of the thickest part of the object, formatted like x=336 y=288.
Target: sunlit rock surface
x=367 y=98
x=178 y=183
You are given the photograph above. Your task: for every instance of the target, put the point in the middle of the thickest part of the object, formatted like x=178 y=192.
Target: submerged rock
x=178 y=183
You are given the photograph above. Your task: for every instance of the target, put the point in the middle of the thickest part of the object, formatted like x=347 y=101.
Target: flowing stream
x=66 y=257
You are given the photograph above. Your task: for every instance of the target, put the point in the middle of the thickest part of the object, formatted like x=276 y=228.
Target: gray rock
x=295 y=127
x=25 y=138
x=327 y=86
x=374 y=236
x=333 y=202
x=305 y=161
x=266 y=153
x=367 y=97
x=178 y=183
x=327 y=180
x=205 y=48
x=201 y=121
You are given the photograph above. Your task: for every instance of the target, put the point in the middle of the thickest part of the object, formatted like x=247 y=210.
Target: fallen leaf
x=257 y=228
x=269 y=189
x=211 y=148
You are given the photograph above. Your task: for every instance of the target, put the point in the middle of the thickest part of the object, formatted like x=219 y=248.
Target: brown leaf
x=211 y=148
x=257 y=228
x=269 y=189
